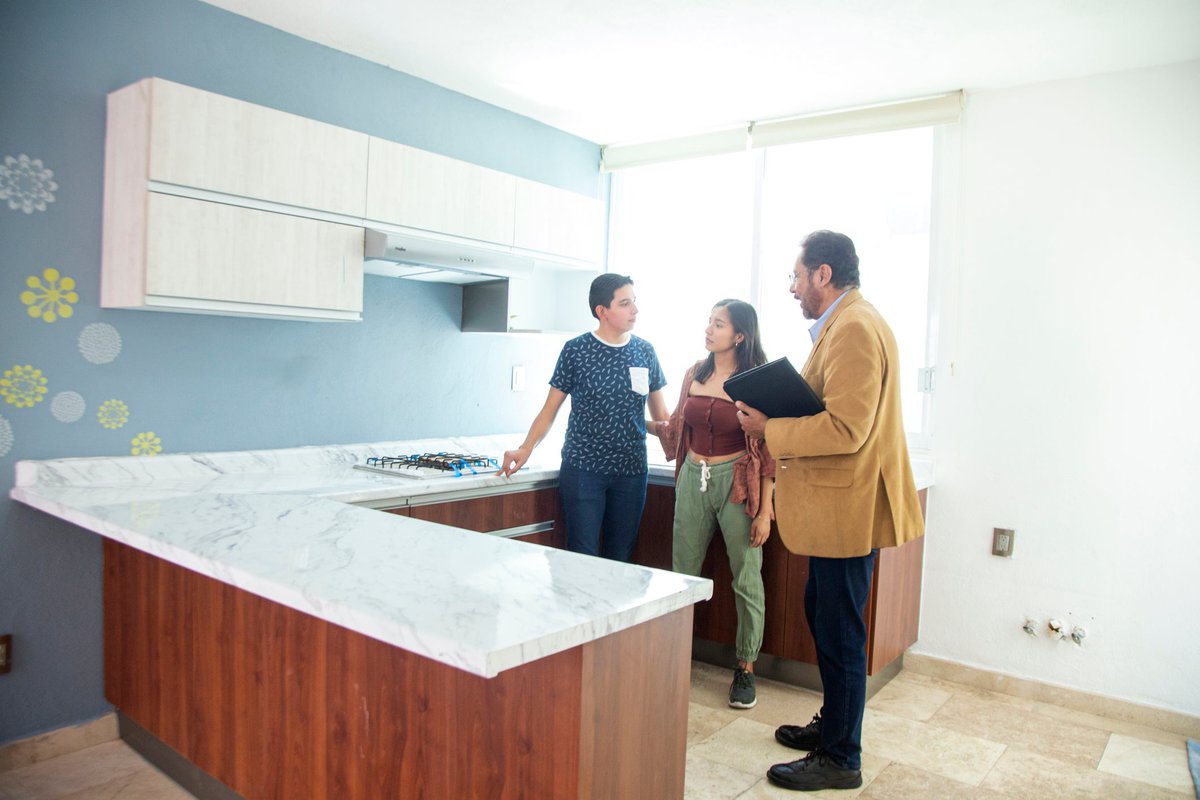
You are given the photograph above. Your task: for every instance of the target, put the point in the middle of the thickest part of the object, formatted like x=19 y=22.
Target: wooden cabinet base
x=275 y=703
x=892 y=613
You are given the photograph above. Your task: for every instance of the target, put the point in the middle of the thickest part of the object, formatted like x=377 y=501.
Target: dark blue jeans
x=602 y=512
x=834 y=598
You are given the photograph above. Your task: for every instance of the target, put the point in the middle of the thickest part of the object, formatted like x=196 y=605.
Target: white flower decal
x=99 y=343
x=6 y=437
x=26 y=184
x=68 y=406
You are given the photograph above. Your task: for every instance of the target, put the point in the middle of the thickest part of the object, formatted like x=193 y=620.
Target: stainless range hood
x=425 y=256
x=503 y=291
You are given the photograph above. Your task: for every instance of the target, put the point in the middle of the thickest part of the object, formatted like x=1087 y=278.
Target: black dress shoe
x=807 y=737
x=814 y=772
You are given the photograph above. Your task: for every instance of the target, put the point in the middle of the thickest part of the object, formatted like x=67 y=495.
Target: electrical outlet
x=1002 y=542
x=6 y=652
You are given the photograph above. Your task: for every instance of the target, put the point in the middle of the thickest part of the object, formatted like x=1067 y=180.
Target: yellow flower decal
x=113 y=414
x=146 y=444
x=23 y=386
x=52 y=299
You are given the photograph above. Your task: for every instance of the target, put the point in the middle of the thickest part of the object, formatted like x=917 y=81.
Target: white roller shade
x=621 y=156
x=939 y=110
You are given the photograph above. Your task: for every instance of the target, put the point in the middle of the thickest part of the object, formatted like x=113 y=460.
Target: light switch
x=518 y=378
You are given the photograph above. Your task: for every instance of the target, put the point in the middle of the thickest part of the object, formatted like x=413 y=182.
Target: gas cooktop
x=431 y=465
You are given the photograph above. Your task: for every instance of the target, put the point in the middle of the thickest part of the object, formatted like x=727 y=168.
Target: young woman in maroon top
x=723 y=478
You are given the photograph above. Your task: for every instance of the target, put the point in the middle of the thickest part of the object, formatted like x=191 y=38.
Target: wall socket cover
x=1002 y=542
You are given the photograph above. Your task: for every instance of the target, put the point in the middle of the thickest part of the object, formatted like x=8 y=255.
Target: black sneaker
x=741 y=691
x=797 y=737
x=813 y=772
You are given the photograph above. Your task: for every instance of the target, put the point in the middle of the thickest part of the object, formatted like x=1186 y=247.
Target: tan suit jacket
x=843 y=480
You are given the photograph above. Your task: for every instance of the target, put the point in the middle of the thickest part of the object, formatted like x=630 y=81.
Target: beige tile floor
x=924 y=738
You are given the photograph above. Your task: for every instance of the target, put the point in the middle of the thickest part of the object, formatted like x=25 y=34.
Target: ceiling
x=638 y=70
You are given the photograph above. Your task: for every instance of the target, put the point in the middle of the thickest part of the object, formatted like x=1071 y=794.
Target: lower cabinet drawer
x=526 y=516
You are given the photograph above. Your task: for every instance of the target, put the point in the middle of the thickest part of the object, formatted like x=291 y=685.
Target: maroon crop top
x=715 y=427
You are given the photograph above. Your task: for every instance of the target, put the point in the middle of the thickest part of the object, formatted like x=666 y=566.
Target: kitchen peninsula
x=264 y=621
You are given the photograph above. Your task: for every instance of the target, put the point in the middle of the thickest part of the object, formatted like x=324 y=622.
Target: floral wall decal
x=23 y=386
x=146 y=444
x=99 y=343
x=6 y=437
x=52 y=299
x=26 y=183
x=113 y=414
x=68 y=406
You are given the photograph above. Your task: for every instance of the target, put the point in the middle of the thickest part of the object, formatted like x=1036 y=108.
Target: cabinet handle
x=523 y=530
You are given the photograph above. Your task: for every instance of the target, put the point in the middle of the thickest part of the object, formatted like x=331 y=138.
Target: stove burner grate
x=458 y=463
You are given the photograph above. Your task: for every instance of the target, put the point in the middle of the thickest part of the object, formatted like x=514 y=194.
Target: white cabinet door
x=206 y=141
x=418 y=189
x=201 y=197
x=558 y=222
x=204 y=251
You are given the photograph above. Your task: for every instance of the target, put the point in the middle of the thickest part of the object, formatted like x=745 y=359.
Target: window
x=692 y=232
x=684 y=231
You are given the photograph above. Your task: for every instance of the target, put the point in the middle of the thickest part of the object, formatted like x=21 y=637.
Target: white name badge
x=639 y=380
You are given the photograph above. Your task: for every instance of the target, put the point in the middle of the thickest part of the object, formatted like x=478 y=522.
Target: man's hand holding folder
x=754 y=422
x=774 y=389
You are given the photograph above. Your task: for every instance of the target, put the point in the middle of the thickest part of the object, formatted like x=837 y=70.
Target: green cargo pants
x=701 y=504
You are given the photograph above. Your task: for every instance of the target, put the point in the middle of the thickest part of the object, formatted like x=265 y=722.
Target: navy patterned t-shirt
x=608 y=384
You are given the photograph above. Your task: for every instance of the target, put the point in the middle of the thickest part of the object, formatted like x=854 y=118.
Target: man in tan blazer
x=843 y=489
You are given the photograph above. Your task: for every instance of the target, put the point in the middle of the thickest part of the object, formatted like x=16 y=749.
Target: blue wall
x=206 y=382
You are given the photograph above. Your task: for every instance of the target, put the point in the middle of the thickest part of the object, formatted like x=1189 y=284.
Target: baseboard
x=1074 y=699
x=197 y=782
x=24 y=752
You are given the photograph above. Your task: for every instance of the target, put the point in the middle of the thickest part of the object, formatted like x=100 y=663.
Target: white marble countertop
x=280 y=524
x=283 y=525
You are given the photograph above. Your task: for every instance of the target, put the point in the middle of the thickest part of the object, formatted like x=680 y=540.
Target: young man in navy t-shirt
x=612 y=377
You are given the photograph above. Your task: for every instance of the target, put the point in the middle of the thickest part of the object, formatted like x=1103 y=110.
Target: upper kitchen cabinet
x=234 y=260
x=428 y=192
x=418 y=190
x=547 y=299
x=206 y=141
x=559 y=223
x=217 y=206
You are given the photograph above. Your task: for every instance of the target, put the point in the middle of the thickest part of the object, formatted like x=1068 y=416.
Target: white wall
x=1073 y=314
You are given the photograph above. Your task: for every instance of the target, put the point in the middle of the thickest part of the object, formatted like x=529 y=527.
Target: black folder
x=775 y=389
